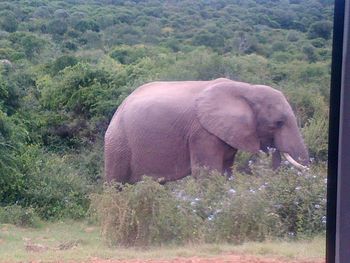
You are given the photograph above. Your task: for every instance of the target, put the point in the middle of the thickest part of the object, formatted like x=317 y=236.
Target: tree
x=32 y=45
x=310 y=52
x=8 y=21
x=61 y=14
x=209 y=39
x=85 y=25
x=128 y=54
x=62 y=62
x=9 y=93
x=321 y=29
x=57 y=27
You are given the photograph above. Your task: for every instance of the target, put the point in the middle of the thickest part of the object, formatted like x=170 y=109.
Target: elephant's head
x=252 y=118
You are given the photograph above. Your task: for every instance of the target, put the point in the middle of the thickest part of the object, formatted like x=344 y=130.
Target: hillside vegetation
x=65 y=66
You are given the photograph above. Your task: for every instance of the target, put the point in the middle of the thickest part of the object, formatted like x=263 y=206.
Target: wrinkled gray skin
x=168 y=130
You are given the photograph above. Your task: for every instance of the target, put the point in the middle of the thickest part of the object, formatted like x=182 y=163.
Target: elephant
x=168 y=130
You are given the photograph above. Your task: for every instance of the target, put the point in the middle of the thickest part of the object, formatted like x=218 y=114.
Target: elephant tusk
x=294 y=162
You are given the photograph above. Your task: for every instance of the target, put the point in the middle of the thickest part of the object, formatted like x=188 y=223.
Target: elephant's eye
x=279 y=124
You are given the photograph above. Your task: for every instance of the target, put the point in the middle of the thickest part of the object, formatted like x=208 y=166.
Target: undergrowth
x=265 y=204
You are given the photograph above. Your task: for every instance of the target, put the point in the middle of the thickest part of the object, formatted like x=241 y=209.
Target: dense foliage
x=65 y=66
x=262 y=205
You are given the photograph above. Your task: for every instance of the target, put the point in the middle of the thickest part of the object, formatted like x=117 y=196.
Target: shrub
x=273 y=204
x=57 y=27
x=315 y=134
x=61 y=63
x=231 y=210
x=79 y=89
x=310 y=52
x=247 y=216
x=8 y=21
x=307 y=105
x=299 y=199
x=19 y=216
x=322 y=29
x=52 y=185
x=143 y=214
x=265 y=204
x=200 y=64
x=78 y=102
x=133 y=54
x=89 y=163
x=11 y=144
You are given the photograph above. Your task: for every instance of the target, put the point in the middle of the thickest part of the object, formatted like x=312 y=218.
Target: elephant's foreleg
x=206 y=151
x=228 y=167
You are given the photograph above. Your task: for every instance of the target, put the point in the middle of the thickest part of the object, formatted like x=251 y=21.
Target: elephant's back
x=178 y=94
x=160 y=101
x=174 y=88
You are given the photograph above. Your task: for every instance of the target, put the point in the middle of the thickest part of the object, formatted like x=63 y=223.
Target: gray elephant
x=168 y=130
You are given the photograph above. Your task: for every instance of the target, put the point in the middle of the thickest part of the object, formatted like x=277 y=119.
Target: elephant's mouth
x=266 y=146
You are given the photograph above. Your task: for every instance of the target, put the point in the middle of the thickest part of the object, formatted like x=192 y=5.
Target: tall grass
x=263 y=205
x=142 y=214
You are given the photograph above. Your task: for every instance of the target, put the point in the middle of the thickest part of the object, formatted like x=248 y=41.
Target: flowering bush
x=212 y=208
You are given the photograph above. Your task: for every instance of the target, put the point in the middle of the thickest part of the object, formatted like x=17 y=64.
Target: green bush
x=29 y=43
x=130 y=54
x=61 y=63
x=89 y=163
x=322 y=29
x=315 y=134
x=231 y=210
x=266 y=204
x=200 y=64
x=11 y=145
x=307 y=106
x=19 y=216
x=78 y=102
x=8 y=21
x=52 y=185
x=299 y=200
x=141 y=215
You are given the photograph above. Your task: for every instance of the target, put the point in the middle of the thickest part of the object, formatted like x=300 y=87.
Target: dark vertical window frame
x=343 y=195
x=338 y=187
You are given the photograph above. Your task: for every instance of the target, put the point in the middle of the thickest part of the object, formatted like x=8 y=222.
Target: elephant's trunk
x=291 y=145
x=276 y=159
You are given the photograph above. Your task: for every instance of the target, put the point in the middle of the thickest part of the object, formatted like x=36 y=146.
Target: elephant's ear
x=224 y=113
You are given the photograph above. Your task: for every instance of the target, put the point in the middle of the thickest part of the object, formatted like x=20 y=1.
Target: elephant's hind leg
x=117 y=163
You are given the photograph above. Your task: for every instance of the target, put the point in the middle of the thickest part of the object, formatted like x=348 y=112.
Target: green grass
x=78 y=241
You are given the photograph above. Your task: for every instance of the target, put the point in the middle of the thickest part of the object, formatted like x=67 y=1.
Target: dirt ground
x=219 y=259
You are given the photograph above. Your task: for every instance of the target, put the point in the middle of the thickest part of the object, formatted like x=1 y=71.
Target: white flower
x=211 y=217
x=231 y=191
